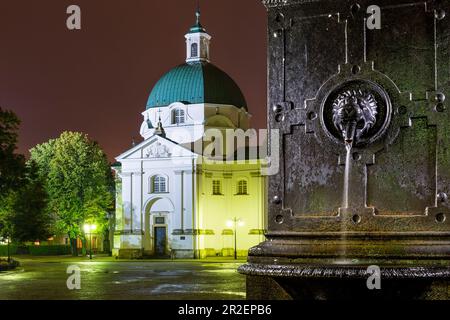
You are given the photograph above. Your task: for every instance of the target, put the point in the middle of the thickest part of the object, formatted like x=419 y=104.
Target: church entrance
x=156 y=241
x=160 y=241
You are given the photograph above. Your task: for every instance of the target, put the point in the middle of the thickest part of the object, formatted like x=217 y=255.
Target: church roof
x=196 y=82
x=197 y=28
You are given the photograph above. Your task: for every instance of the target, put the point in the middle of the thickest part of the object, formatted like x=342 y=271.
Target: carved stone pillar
x=364 y=121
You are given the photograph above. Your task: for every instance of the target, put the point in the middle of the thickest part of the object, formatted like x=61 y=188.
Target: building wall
x=217 y=211
x=138 y=206
x=196 y=220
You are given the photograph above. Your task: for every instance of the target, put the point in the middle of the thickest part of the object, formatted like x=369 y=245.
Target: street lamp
x=88 y=229
x=235 y=222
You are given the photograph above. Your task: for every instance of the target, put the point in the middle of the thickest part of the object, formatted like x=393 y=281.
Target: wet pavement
x=109 y=279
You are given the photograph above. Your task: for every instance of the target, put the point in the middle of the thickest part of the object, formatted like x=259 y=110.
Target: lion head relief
x=354 y=113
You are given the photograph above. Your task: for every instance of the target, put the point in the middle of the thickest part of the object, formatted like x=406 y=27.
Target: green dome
x=198 y=82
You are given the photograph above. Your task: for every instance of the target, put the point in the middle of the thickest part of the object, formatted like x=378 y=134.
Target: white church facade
x=171 y=199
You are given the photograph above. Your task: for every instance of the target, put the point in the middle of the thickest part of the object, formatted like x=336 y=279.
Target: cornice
x=280 y=3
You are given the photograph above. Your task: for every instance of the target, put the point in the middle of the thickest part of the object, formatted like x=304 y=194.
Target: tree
x=41 y=155
x=5 y=220
x=77 y=180
x=30 y=218
x=12 y=165
x=23 y=213
x=12 y=168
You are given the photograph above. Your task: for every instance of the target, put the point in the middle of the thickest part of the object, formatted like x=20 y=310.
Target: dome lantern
x=197 y=42
x=197 y=81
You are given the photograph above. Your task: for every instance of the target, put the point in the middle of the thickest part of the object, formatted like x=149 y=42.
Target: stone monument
x=359 y=91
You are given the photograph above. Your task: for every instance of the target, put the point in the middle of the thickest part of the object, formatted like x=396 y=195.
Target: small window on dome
x=178 y=116
x=194 y=50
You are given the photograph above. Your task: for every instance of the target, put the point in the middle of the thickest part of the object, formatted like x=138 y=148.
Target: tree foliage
x=12 y=165
x=6 y=205
x=26 y=213
x=32 y=221
x=77 y=180
x=12 y=168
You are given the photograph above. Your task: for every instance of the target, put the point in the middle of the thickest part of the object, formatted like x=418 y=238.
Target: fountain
x=364 y=160
x=354 y=113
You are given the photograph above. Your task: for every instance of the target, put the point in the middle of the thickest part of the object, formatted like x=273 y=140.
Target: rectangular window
x=242 y=187
x=178 y=116
x=217 y=187
x=79 y=243
x=159 y=184
x=194 y=50
x=94 y=243
x=160 y=220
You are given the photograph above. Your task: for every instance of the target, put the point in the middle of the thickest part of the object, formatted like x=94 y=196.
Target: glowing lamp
x=88 y=228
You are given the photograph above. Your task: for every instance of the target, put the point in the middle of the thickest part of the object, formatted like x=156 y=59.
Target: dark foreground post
x=359 y=93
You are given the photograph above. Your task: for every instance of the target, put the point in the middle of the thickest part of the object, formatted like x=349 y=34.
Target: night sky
x=97 y=80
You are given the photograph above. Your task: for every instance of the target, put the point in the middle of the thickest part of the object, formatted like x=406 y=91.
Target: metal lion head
x=354 y=114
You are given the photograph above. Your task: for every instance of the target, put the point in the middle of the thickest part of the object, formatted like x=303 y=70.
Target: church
x=172 y=199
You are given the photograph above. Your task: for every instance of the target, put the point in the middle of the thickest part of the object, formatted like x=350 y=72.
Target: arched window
x=194 y=50
x=242 y=187
x=159 y=184
x=178 y=116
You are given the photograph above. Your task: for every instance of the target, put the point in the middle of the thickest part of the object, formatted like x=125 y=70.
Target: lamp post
x=235 y=222
x=88 y=229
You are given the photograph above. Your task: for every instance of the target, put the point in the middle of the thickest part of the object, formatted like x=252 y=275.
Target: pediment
x=156 y=147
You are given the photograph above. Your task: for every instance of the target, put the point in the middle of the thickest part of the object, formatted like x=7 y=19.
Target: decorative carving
x=157 y=150
x=354 y=114
x=357 y=112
